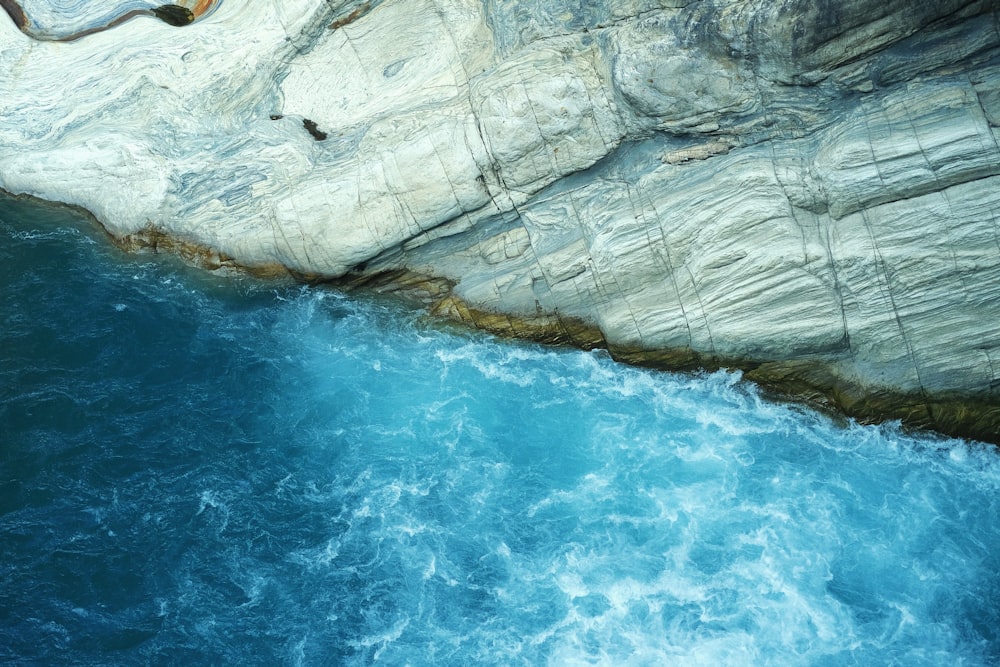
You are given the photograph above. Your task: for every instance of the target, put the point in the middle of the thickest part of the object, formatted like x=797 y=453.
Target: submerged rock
x=806 y=189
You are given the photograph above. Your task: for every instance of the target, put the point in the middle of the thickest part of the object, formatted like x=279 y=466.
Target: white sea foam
x=337 y=483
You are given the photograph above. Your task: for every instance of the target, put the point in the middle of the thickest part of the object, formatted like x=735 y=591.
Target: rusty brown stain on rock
x=350 y=18
x=15 y=12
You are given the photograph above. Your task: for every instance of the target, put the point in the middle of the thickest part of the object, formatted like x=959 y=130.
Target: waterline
x=229 y=471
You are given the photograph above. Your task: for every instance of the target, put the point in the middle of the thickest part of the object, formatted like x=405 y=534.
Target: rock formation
x=805 y=189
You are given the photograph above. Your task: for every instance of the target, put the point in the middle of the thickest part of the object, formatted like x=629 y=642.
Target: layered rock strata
x=805 y=189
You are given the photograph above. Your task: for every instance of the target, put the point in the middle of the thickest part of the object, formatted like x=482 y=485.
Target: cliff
x=805 y=189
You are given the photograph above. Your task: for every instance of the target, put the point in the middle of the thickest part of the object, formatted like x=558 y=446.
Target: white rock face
x=811 y=182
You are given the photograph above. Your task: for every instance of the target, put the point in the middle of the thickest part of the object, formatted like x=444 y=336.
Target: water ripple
x=235 y=472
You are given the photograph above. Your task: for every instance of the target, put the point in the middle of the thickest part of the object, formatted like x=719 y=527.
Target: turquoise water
x=207 y=470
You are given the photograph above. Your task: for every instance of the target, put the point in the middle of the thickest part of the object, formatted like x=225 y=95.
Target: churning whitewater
x=198 y=469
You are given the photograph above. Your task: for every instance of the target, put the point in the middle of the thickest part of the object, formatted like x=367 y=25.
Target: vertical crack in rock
x=986 y=113
x=994 y=376
x=614 y=274
x=671 y=271
x=838 y=287
x=704 y=311
x=492 y=165
x=595 y=273
x=467 y=86
x=923 y=153
x=824 y=237
x=882 y=267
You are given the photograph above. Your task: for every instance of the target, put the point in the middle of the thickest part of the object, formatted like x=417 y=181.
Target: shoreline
x=807 y=381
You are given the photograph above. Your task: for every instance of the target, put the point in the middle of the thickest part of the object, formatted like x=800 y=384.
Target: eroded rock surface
x=807 y=189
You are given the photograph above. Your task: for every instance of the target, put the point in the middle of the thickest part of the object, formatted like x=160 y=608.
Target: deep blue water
x=205 y=470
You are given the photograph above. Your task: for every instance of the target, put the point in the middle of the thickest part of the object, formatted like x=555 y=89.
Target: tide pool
x=197 y=469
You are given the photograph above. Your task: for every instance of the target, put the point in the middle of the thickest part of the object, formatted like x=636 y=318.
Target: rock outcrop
x=805 y=189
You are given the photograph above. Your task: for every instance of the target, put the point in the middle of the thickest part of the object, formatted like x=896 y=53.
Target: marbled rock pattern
x=807 y=189
x=68 y=21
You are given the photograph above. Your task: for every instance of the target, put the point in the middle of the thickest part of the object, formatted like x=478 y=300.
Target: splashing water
x=226 y=471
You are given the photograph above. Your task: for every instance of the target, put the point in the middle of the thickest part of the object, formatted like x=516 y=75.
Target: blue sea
x=199 y=469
